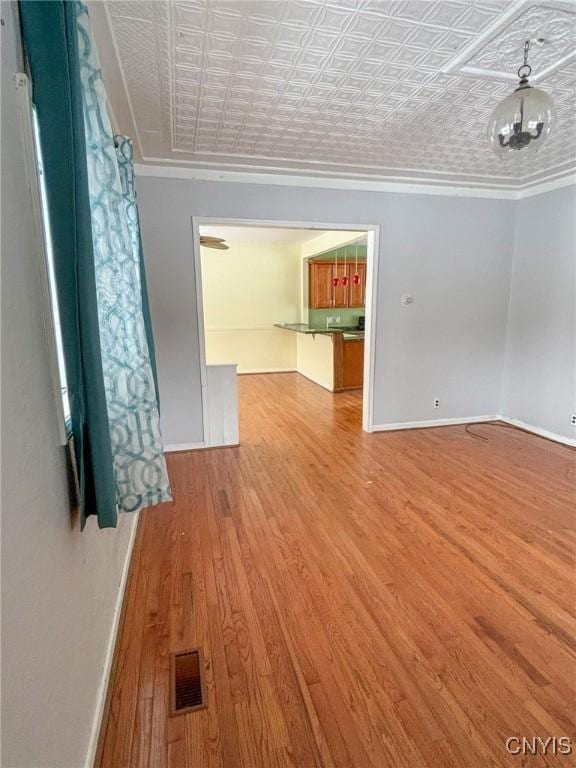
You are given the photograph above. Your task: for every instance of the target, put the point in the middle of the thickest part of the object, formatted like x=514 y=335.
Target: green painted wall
x=345 y=252
x=317 y=317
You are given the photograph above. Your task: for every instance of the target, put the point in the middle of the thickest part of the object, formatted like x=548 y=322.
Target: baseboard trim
x=253 y=371
x=102 y=695
x=315 y=381
x=186 y=447
x=545 y=433
x=177 y=447
x=539 y=431
x=394 y=427
x=211 y=447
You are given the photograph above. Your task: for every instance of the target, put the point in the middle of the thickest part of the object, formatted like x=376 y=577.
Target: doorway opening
x=284 y=298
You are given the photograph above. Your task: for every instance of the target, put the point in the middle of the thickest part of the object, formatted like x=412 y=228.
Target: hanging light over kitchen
x=524 y=118
x=335 y=278
x=356 y=278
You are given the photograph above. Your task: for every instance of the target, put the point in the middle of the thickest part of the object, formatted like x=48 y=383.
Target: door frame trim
x=371 y=305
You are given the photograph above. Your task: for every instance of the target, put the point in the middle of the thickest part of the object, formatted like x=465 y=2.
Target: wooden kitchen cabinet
x=320 y=284
x=357 y=293
x=340 y=292
x=348 y=363
x=323 y=294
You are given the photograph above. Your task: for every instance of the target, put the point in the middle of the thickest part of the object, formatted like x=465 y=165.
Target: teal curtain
x=125 y=158
x=51 y=44
x=102 y=285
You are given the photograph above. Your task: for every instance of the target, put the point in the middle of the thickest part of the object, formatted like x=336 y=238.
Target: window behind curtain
x=56 y=326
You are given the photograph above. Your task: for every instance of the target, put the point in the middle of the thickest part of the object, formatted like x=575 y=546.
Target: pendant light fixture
x=335 y=280
x=345 y=279
x=356 y=278
x=524 y=118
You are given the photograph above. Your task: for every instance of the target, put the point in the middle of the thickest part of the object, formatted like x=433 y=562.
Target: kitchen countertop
x=348 y=331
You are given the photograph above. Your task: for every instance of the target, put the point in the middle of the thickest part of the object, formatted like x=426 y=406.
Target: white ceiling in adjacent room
x=384 y=88
x=252 y=234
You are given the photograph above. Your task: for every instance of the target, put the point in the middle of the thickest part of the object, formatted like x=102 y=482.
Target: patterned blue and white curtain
x=131 y=397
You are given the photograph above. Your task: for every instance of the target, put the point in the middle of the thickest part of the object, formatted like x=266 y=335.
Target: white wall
x=246 y=290
x=59 y=586
x=316 y=358
x=453 y=254
x=327 y=241
x=540 y=376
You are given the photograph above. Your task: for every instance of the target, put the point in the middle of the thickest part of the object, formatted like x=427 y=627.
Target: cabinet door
x=320 y=285
x=357 y=293
x=340 y=291
x=348 y=363
x=352 y=364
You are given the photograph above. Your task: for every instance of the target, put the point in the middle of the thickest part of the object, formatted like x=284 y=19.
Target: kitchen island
x=332 y=357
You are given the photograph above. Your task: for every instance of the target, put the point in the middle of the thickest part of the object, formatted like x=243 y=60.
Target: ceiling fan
x=218 y=243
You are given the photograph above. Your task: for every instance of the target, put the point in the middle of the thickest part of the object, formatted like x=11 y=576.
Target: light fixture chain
x=525 y=70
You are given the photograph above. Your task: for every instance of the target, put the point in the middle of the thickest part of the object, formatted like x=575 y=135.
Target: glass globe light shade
x=522 y=121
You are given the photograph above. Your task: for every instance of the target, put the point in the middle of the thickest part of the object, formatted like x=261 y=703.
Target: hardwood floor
x=388 y=600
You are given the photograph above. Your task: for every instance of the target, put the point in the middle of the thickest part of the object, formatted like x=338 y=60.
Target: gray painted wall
x=540 y=380
x=453 y=255
x=59 y=586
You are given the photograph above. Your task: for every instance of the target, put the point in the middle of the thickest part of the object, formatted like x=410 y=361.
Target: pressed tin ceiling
x=375 y=88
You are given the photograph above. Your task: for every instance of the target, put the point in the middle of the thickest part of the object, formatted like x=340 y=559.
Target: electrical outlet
x=436 y=402
x=573 y=419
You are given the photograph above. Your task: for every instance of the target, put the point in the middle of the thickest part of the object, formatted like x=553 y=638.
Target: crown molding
x=420 y=186
x=283 y=166
x=548 y=185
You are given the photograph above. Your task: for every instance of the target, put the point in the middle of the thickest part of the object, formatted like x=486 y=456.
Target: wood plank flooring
x=397 y=600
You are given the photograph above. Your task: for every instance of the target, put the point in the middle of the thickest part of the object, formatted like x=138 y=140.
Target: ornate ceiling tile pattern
x=496 y=52
x=556 y=27
x=357 y=85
